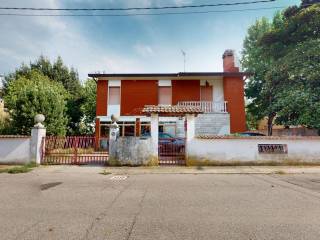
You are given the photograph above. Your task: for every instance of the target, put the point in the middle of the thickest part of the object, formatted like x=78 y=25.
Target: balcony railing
x=207 y=107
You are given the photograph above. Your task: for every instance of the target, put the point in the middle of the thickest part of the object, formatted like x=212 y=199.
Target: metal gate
x=77 y=150
x=172 y=151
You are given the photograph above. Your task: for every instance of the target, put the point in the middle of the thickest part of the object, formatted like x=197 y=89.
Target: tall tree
x=291 y=48
x=57 y=72
x=88 y=107
x=29 y=95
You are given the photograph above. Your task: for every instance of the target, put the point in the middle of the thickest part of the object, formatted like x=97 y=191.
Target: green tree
x=35 y=93
x=88 y=107
x=57 y=72
x=289 y=79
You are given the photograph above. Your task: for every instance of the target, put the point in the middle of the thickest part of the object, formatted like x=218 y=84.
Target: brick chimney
x=229 y=61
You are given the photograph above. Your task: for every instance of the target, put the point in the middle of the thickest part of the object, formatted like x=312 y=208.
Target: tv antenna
x=184 y=60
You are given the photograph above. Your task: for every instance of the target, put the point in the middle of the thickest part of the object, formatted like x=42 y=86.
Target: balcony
x=207 y=107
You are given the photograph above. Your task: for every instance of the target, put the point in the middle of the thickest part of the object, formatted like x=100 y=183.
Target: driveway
x=79 y=203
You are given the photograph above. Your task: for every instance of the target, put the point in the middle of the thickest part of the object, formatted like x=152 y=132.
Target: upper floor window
x=165 y=92
x=114 y=95
x=165 y=95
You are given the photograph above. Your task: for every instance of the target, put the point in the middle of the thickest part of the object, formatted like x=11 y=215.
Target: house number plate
x=273 y=148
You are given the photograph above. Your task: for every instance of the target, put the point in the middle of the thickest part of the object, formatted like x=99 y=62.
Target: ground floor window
x=125 y=129
x=145 y=129
x=128 y=129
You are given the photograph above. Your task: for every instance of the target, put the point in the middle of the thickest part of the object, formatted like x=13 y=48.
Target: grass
x=105 y=173
x=19 y=169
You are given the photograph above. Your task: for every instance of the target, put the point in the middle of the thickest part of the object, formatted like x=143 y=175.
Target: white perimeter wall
x=14 y=150
x=246 y=150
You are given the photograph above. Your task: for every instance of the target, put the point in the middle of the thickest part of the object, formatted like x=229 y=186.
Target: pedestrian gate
x=76 y=150
x=172 y=151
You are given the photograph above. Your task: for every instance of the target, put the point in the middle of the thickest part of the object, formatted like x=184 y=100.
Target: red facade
x=138 y=90
x=135 y=94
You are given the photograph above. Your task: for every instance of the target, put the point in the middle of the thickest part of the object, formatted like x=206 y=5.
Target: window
x=114 y=95
x=104 y=131
x=165 y=95
x=145 y=129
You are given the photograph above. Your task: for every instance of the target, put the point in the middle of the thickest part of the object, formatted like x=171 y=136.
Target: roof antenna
x=184 y=60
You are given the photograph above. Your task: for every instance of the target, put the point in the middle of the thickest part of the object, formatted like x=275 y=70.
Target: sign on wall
x=273 y=148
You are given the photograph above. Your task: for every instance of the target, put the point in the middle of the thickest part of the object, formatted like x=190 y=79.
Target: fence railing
x=72 y=150
x=206 y=106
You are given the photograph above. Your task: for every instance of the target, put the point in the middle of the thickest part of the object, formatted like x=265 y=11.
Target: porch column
x=155 y=131
x=190 y=134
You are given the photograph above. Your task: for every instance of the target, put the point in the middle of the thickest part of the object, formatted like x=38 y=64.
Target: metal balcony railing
x=207 y=107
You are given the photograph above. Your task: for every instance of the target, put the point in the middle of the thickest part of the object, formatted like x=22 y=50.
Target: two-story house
x=219 y=94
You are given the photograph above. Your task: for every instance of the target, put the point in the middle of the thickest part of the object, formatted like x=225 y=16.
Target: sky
x=134 y=44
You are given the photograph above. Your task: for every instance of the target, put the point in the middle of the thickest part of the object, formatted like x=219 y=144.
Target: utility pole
x=184 y=60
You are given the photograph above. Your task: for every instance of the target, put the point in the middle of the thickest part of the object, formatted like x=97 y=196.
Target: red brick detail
x=138 y=127
x=234 y=93
x=102 y=98
x=185 y=90
x=97 y=133
x=135 y=94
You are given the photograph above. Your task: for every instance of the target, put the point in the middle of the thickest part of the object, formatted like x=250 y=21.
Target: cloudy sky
x=127 y=44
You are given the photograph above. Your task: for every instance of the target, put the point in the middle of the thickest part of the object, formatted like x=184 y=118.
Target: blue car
x=168 y=143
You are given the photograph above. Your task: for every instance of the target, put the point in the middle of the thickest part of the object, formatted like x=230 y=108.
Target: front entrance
x=172 y=151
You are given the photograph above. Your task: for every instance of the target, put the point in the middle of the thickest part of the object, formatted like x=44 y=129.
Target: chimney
x=230 y=63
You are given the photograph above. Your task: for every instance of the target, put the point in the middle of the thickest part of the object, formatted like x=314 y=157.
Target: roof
x=174 y=75
x=171 y=110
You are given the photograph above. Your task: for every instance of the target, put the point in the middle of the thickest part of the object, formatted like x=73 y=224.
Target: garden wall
x=15 y=149
x=132 y=151
x=230 y=150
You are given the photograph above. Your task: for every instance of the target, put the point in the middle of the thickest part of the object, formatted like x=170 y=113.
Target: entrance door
x=206 y=94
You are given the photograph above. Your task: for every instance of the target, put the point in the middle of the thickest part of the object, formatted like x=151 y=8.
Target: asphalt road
x=83 y=204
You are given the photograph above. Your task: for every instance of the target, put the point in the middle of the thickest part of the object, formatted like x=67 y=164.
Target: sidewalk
x=180 y=170
x=215 y=170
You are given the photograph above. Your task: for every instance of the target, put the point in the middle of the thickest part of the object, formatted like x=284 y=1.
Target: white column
x=37 y=134
x=190 y=127
x=155 y=131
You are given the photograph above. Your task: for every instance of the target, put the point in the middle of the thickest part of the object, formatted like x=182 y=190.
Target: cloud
x=143 y=50
x=26 y=38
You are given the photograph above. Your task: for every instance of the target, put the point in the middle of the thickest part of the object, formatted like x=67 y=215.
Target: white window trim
x=164 y=83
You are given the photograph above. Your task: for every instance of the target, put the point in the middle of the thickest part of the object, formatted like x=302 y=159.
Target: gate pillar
x=38 y=132
x=191 y=128
x=155 y=131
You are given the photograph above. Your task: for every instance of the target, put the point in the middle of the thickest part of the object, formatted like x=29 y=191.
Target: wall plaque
x=273 y=148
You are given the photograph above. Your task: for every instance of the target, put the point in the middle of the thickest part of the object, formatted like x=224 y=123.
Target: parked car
x=170 y=144
x=251 y=134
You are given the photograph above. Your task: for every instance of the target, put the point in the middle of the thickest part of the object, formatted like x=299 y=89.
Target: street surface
x=80 y=203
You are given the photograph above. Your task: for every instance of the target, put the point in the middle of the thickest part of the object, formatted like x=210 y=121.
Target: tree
x=88 y=107
x=254 y=60
x=298 y=101
x=35 y=93
x=290 y=49
x=56 y=72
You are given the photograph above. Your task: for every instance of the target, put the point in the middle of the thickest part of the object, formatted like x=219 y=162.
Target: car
x=251 y=134
x=170 y=144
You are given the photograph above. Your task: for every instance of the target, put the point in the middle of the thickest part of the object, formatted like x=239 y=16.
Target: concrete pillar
x=114 y=134
x=191 y=128
x=38 y=132
x=155 y=131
